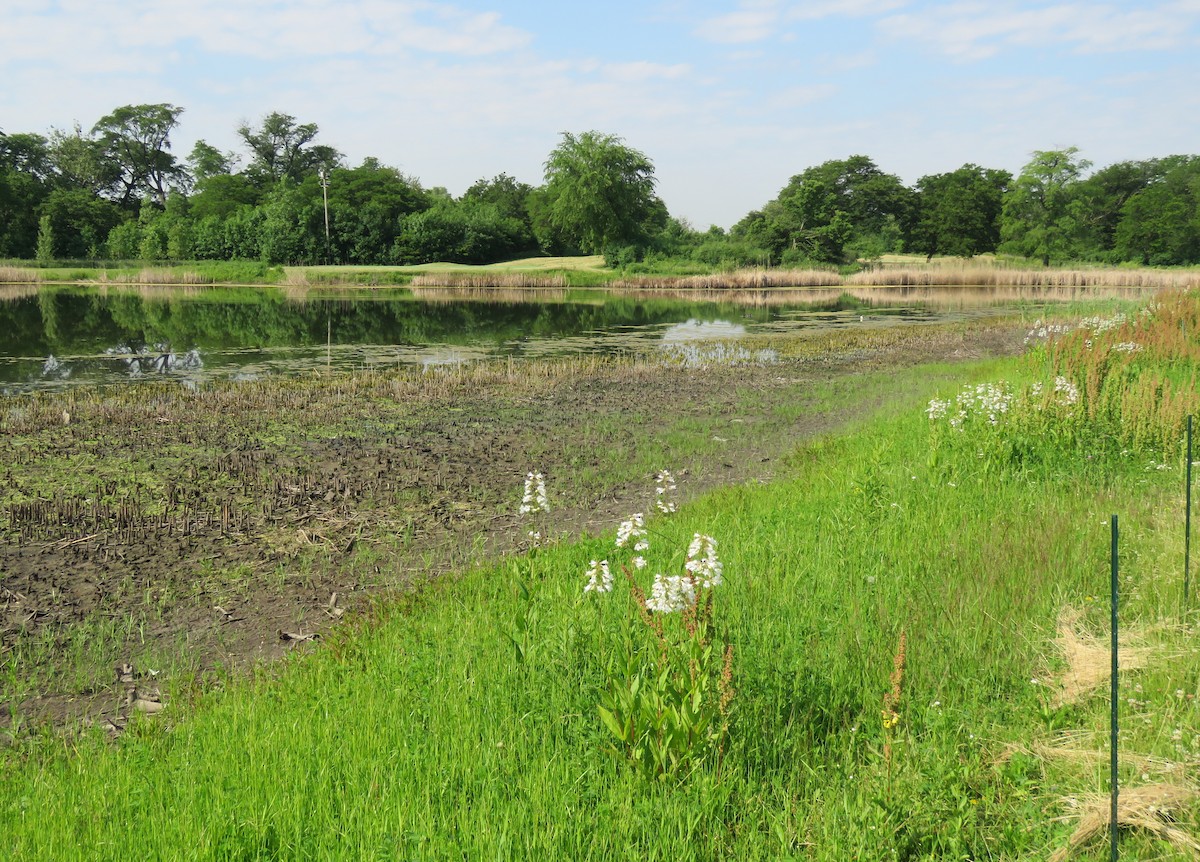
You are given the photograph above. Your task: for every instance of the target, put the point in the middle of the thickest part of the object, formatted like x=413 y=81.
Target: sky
x=728 y=99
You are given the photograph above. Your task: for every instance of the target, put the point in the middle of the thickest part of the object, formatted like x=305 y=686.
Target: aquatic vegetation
x=702 y=354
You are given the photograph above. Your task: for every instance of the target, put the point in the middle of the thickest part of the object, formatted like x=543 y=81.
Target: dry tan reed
x=1082 y=748
x=169 y=276
x=1151 y=808
x=17 y=275
x=487 y=280
x=741 y=279
x=979 y=276
x=1088 y=659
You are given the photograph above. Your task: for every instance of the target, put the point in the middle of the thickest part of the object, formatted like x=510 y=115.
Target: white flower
x=600 y=579
x=937 y=409
x=1068 y=392
x=702 y=562
x=634 y=528
x=535 y=495
x=664 y=486
x=671 y=594
x=639 y=562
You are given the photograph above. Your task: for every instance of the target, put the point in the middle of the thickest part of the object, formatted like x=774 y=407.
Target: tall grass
x=18 y=275
x=493 y=279
x=1056 y=278
x=742 y=279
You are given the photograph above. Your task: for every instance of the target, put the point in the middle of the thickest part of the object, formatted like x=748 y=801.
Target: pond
x=54 y=336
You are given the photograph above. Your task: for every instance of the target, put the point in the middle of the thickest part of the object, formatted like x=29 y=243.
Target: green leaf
x=612 y=724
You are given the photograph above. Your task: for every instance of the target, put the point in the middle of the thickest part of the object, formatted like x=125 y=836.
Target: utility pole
x=325 y=197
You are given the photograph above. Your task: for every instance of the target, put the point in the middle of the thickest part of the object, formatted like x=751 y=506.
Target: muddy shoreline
x=196 y=533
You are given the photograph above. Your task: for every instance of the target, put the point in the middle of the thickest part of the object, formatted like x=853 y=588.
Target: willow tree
x=599 y=192
x=1042 y=215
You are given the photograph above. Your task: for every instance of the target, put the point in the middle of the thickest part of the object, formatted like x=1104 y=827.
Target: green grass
x=419 y=735
x=423 y=733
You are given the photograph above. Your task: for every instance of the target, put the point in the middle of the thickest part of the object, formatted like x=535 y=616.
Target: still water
x=53 y=337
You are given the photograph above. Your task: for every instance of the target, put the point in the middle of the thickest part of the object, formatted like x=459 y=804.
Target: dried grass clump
x=741 y=279
x=1088 y=659
x=1061 y=278
x=17 y=275
x=169 y=276
x=1069 y=748
x=1151 y=808
x=487 y=279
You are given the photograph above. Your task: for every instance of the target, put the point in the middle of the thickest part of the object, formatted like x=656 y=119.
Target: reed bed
x=1059 y=278
x=741 y=279
x=168 y=275
x=18 y=275
x=488 y=280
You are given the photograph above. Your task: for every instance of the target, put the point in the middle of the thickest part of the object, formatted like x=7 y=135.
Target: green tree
x=1104 y=194
x=80 y=221
x=136 y=141
x=1042 y=215
x=367 y=205
x=511 y=197
x=280 y=147
x=803 y=224
x=1160 y=224
x=45 y=240
x=80 y=162
x=598 y=192
x=207 y=161
x=872 y=200
x=223 y=194
x=25 y=176
x=124 y=240
x=958 y=213
x=840 y=208
x=293 y=223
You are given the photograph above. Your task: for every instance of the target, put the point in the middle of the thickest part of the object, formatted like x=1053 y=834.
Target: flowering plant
x=670 y=686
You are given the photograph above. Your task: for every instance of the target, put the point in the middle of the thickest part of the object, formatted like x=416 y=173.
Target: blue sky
x=728 y=99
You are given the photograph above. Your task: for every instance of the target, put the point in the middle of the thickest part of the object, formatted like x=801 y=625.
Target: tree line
x=116 y=191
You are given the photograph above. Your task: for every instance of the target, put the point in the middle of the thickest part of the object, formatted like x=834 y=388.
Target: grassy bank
x=422 y=734
x=910 y=607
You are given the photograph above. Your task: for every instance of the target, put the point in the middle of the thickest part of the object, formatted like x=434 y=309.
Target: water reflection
x=702 y=330
x=52 y=337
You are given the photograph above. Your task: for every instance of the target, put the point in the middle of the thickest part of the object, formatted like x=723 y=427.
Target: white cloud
x=267 y=29
x=640 y=71
x=798 y=97
x=748 y=25
x=977 y=30
x=813 y=9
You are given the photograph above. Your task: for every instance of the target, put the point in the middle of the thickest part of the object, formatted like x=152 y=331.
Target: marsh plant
x=534 y=504
x=1104 y=387
x=669 y=673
